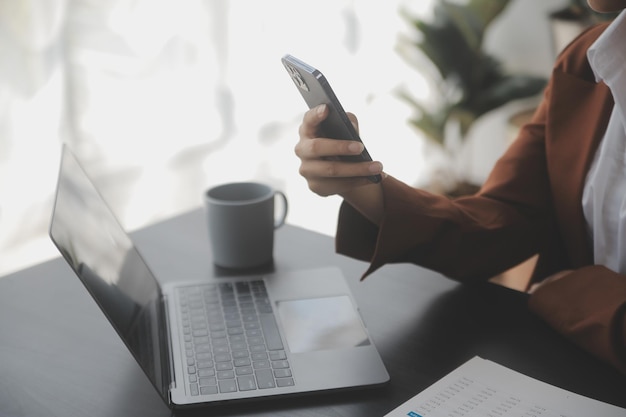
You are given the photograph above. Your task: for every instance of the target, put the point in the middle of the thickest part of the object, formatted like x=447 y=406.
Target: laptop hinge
x=170 y=378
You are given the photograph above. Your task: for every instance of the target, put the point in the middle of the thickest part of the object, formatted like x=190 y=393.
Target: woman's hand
x=325 y=174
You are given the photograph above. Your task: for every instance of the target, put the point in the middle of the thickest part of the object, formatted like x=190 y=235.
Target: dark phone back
x=316 y=90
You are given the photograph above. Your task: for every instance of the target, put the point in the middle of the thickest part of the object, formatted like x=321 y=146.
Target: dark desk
x=60 y=357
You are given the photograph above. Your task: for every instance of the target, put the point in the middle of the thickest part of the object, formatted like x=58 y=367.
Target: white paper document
x=482 y=388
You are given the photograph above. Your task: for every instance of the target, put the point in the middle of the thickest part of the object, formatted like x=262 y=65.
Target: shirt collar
x=607 y=55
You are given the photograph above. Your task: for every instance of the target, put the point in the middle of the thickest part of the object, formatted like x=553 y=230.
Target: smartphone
x=316 y=90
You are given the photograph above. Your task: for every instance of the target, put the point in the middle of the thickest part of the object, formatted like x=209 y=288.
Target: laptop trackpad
x=324 y=323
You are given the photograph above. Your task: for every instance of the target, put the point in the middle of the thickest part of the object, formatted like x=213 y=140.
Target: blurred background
x=162 y=98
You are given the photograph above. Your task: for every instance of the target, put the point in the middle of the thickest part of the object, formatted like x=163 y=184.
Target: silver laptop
x=215 y=340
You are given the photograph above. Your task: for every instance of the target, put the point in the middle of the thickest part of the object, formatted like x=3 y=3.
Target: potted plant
x=467 y=81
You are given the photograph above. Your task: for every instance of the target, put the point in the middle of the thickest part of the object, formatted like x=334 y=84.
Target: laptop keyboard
x=231 y=339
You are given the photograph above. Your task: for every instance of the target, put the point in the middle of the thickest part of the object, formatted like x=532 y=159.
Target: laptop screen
x=101 y=253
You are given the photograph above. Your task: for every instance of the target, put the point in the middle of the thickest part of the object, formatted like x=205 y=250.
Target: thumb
x=354 y=120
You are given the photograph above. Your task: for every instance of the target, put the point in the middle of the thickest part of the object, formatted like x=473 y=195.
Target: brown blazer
x=530 y=204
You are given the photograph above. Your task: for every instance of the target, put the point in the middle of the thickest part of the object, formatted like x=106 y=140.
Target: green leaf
x=431 y=123
x=470 y=82
x=505 y=90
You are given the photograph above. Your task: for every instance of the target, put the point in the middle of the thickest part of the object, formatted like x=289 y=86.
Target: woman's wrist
x=368 y=200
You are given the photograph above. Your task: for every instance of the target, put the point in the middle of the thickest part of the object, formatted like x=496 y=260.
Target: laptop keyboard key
x=264 y=378
x=278 y=355
x=282 y=373
x=240 y=354
x=222 y=357
x=204 y=372
x=224 y=366
x=242 y=362
x=270 y=330
x=246 y=382
x=225 y=374
x=228 y=385
x=280 y=364
x=285 y=382
x=244 y=370
x=207 y=381
x=261 y=364
x=208 y=390
x=204 y=364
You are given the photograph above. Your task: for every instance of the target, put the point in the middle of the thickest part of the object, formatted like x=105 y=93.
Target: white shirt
x=604 y=195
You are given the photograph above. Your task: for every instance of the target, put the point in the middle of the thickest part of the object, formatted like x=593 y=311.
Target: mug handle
x=281 y=220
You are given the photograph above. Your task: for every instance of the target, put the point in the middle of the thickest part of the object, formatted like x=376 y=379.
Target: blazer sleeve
x=588 y=306
x=469 y=238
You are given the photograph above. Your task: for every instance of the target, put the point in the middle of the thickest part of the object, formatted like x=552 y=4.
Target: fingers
x=335 y=169
x=311 y=146
x=354 y=120
x=312 y=120
x=326 y=187
x=325 y=172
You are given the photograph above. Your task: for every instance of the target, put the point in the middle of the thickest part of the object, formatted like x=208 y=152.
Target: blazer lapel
x=579 y=113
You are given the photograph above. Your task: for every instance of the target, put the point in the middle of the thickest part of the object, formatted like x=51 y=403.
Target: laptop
x=220 y=339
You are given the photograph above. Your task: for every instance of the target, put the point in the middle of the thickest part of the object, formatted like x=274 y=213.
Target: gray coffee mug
x=241 y=219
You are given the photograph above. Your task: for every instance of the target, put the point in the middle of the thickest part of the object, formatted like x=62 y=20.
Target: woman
x=558 y=192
